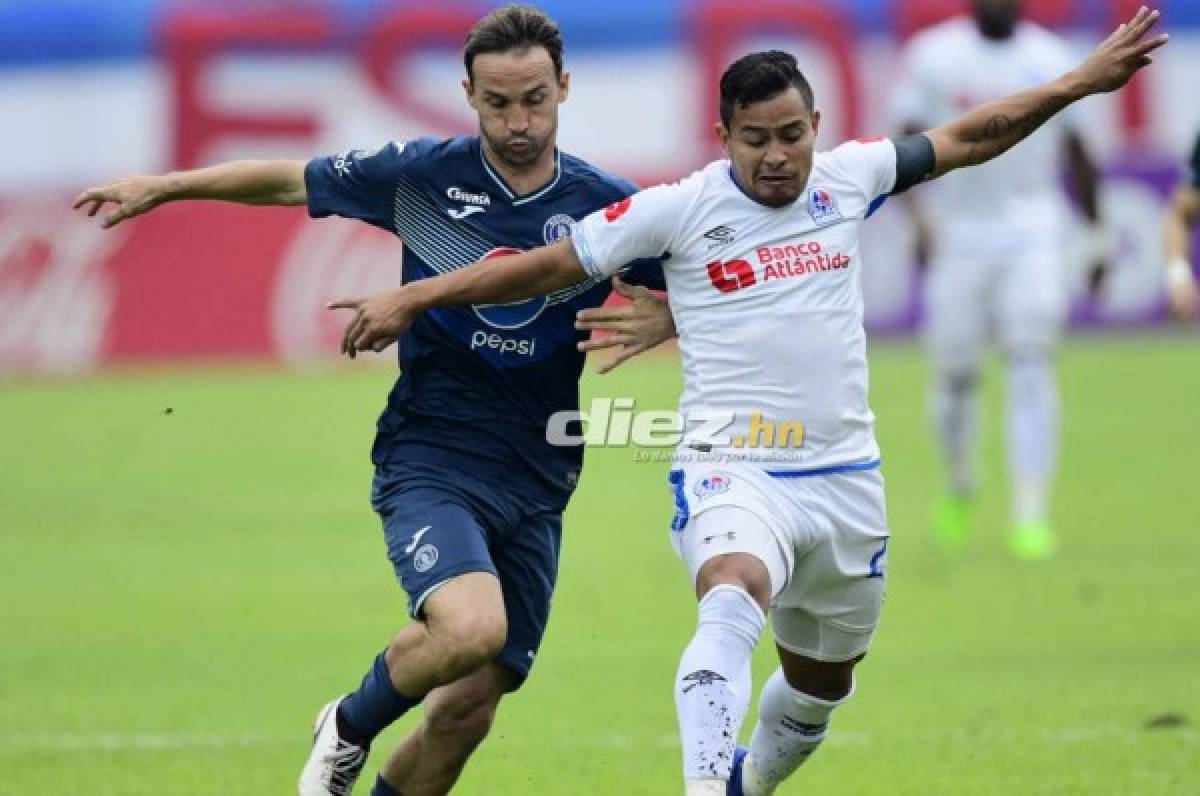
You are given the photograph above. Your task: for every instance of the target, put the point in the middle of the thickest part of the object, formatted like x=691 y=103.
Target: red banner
x=190 y=280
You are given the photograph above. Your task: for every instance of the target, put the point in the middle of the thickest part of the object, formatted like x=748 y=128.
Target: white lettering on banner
x=55 y=297
x=327 y=261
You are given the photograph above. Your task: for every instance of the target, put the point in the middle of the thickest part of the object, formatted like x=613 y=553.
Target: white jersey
x=1017 y=198
x=767 y=301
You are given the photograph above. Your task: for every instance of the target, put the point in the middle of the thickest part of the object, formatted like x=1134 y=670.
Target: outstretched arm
x=996 y=127
x=379 y=320
x=251 y=182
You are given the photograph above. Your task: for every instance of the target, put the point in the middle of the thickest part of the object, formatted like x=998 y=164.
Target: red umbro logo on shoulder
x=617 y=209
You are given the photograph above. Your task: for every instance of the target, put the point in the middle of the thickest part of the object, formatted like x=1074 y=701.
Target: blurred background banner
x=93 y=90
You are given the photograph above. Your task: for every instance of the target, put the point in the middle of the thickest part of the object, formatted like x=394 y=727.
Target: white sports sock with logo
x=791 y=725
x=712 y=686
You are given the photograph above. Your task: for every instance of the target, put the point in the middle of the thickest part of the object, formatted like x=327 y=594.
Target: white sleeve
x=638 y=226
x=870 y=166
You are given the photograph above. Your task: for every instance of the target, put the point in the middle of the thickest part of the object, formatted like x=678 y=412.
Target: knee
x=959 y=380
x=740 y=570
x=463 y=723
x=832 y=682
x=468 y=642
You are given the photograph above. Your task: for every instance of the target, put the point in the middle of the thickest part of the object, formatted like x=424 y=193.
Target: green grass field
x=181 y=591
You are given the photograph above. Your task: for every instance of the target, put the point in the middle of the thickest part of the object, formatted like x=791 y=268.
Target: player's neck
x=524 y=181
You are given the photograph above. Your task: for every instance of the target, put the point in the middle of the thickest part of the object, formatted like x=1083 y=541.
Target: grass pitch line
x=142 y=742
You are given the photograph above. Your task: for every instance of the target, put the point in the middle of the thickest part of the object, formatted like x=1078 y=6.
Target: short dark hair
x=760 y=76
x=514 y=27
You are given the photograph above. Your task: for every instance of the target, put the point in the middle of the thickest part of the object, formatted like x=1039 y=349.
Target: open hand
x=378 y=321
x=133 y=196
x=635 y=327
x=1121 y=55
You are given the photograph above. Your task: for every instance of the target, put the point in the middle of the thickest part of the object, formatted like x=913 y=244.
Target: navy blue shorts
x=439 y=525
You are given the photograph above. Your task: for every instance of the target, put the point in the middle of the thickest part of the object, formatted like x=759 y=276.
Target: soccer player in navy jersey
x=470 y=492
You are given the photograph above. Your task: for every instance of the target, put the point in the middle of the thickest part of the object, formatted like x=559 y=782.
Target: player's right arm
x=637 y=227
x=996 y=127
x=1182 y=213
x=251 y=182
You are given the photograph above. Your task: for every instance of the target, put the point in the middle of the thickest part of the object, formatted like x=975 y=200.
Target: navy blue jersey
x=477 y=384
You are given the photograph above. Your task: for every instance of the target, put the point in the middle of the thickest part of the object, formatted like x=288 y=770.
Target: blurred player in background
x=1182 y=214
x=994 y=240
x=765 y=287
x=470 y=492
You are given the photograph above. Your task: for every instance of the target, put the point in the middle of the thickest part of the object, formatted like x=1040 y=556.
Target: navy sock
x=376 y=704
x=382 y=788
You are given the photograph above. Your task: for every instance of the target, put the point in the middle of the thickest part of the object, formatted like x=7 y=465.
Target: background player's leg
x=1034 y=305
x=457 y=719
x=956 y=333
x=1033 y=429
x=712 y=685
x=793 y=718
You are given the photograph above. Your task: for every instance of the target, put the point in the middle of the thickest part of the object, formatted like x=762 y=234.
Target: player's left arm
x=381 y=319
x=1183 y=293
x=1084 y=178
x=996 y=127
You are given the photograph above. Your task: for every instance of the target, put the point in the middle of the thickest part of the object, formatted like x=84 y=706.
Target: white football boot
x=334 y=764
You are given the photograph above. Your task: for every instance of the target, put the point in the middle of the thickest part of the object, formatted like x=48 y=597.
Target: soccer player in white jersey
x=764 y=280
x=996 y=263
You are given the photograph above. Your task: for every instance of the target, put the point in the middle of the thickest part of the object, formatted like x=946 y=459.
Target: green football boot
x=1033 y=541
x=952 y=522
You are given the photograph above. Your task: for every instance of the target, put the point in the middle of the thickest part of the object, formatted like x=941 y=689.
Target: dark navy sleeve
x=915 y=161
x=359 y=184
x=647 y=273
x=1195 y=164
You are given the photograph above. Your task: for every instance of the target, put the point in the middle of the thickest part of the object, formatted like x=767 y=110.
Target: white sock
x=712 y=686
x=791 y=725
x=1032 y=434
x=954 y=408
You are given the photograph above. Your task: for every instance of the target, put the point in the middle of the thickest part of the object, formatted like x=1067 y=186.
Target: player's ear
x=564 y=86
x=816 y=123
x=722 y=135
x=469 y=90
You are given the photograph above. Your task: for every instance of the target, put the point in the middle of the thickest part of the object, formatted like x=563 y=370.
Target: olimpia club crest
x=557 y=227
x=822 y=206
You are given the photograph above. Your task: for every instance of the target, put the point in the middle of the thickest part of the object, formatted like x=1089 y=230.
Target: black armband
x=915 y=161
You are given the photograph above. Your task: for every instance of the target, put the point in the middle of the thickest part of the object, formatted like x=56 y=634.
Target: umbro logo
x=720 y=236
x=702 y=677
x=459 y=215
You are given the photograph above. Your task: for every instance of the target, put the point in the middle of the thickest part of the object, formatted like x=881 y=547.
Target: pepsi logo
x=509 y=316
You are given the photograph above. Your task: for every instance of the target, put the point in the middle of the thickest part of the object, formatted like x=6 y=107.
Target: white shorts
x=822 y=536
x=1019 y=301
